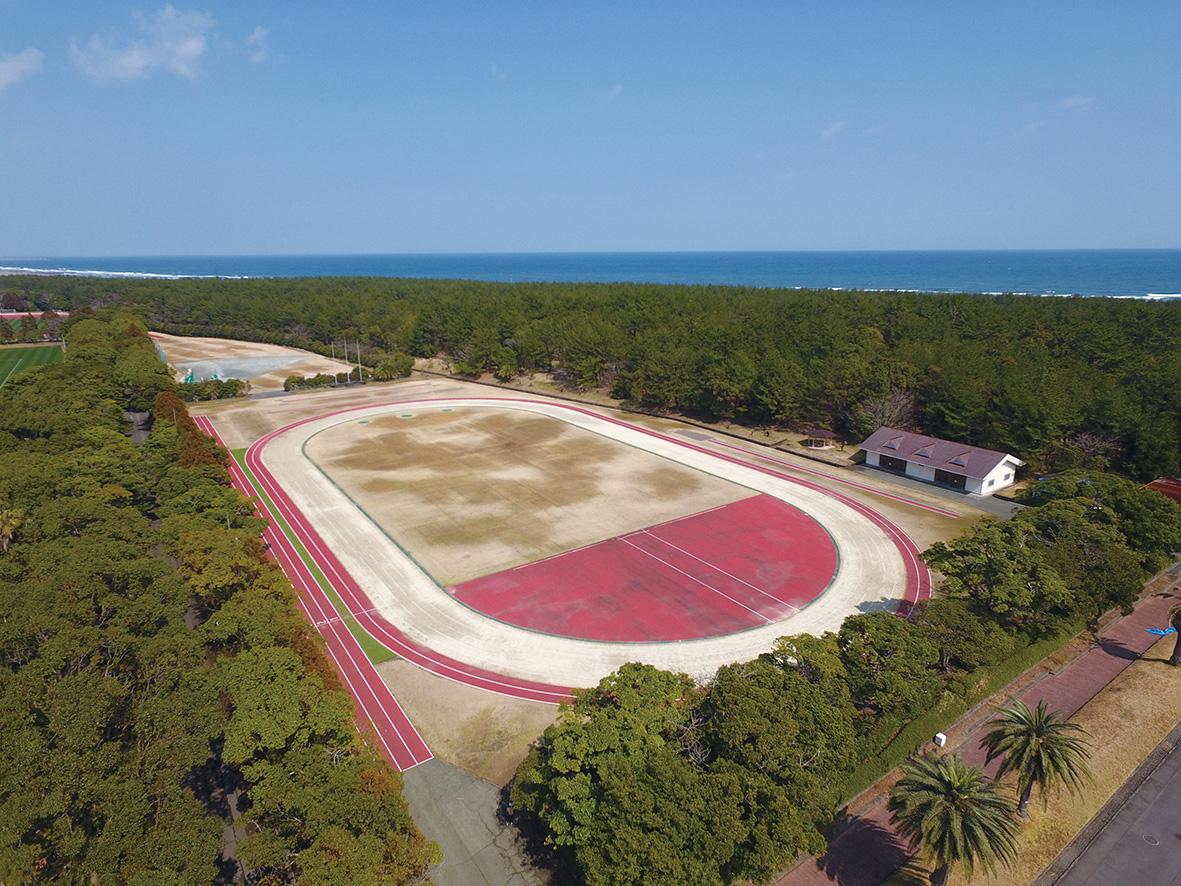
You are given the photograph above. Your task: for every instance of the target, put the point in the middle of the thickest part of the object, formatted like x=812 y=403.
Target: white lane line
x=699 y=581
x=287 y=551
x=717 y=568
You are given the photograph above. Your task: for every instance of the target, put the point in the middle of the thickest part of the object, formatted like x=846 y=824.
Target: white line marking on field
x=699 y=581
x=717 y=568
x=12 y=370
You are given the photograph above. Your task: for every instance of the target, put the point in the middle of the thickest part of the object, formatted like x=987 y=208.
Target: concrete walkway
x=459 y=812
x=867 y=850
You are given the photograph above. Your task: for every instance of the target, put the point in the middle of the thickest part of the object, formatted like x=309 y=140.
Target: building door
x=959 y=481
x=890 y=463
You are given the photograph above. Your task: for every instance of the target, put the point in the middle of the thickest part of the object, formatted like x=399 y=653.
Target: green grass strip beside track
x=376 y=652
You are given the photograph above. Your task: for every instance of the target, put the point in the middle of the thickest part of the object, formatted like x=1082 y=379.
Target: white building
x=963 y=467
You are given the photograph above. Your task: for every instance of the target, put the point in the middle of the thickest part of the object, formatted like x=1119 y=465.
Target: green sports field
x=14 y=359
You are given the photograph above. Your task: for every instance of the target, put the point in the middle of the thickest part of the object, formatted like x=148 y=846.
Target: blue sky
x=244 y=127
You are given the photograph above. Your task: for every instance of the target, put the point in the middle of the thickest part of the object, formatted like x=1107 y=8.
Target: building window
x=991 y=483
x=1008 y=476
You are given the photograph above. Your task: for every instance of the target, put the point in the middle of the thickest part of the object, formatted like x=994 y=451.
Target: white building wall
x=1002 y=476
x=920 y=472
x=871 y=459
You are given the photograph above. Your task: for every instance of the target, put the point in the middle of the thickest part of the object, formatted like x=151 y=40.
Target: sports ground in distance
x=16 y=358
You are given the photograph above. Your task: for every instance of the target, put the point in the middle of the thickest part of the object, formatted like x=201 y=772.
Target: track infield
x=733 y=567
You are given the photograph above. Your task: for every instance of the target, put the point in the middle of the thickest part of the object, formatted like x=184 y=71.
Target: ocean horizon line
x=1145 y=273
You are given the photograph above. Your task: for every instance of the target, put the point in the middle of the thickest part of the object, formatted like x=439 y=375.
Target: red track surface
x=918 y=578
x=372 y=700
x=738 y=566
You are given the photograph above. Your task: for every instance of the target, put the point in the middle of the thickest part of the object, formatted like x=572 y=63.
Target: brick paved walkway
x=867 y=851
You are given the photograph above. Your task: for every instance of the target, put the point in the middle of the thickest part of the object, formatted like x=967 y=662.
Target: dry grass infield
x=1125 y=721
x=475 y=491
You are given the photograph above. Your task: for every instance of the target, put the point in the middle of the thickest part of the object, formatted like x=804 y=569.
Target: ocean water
x=1136 y=273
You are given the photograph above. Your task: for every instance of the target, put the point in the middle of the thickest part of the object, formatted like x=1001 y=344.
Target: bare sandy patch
x=473 y=491
x=481 y=732
x=265 y=366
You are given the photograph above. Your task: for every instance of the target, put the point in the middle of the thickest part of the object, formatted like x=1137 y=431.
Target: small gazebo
x=818 y=438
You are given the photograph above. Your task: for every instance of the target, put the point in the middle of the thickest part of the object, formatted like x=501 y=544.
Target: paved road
x=1141 y=844
x=868 y=851
x=459 y=812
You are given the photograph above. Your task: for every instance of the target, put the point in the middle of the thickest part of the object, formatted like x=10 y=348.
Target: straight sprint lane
x=918 y=576
x=373 y=702
x=366 y=615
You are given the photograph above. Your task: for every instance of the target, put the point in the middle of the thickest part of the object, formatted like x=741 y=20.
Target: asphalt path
x=1141 y=843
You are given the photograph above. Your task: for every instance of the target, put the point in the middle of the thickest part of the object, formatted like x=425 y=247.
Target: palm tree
x=1039 y=746
x=1175 y=621
x=951 y=810
x=10 y=521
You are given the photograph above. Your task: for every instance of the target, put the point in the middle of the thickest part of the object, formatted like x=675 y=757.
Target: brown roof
x=1168 y=486
x=945 y=455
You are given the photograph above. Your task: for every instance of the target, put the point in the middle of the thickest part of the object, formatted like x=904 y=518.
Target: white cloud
x=169 y=39
x=496 y=73
x=1029 y=128
x=1078 y=101
x=18 y=66
x=615 y=91
x=258 y=46
x=834 y=129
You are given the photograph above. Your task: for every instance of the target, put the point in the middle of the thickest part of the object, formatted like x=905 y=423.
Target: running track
x=362 y=609
x=918 y=576
x=864 y=488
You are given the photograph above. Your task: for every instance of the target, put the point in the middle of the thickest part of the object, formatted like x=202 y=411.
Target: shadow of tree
x=865 y=853
x=1116 y=649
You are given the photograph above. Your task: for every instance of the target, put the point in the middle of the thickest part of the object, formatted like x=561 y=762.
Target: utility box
x=940 y=739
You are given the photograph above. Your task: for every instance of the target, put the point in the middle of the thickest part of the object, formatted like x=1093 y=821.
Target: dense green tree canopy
x=154 y=661
x=1063 y=382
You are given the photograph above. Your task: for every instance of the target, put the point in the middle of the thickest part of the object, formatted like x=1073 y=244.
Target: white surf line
x=716 y=568
x=12 y=370
x=699 y=581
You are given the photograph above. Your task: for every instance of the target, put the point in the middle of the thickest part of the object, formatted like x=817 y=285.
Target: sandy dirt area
x=469 y=492
x=480 y=732
x=265 y=366
x=243 y=420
